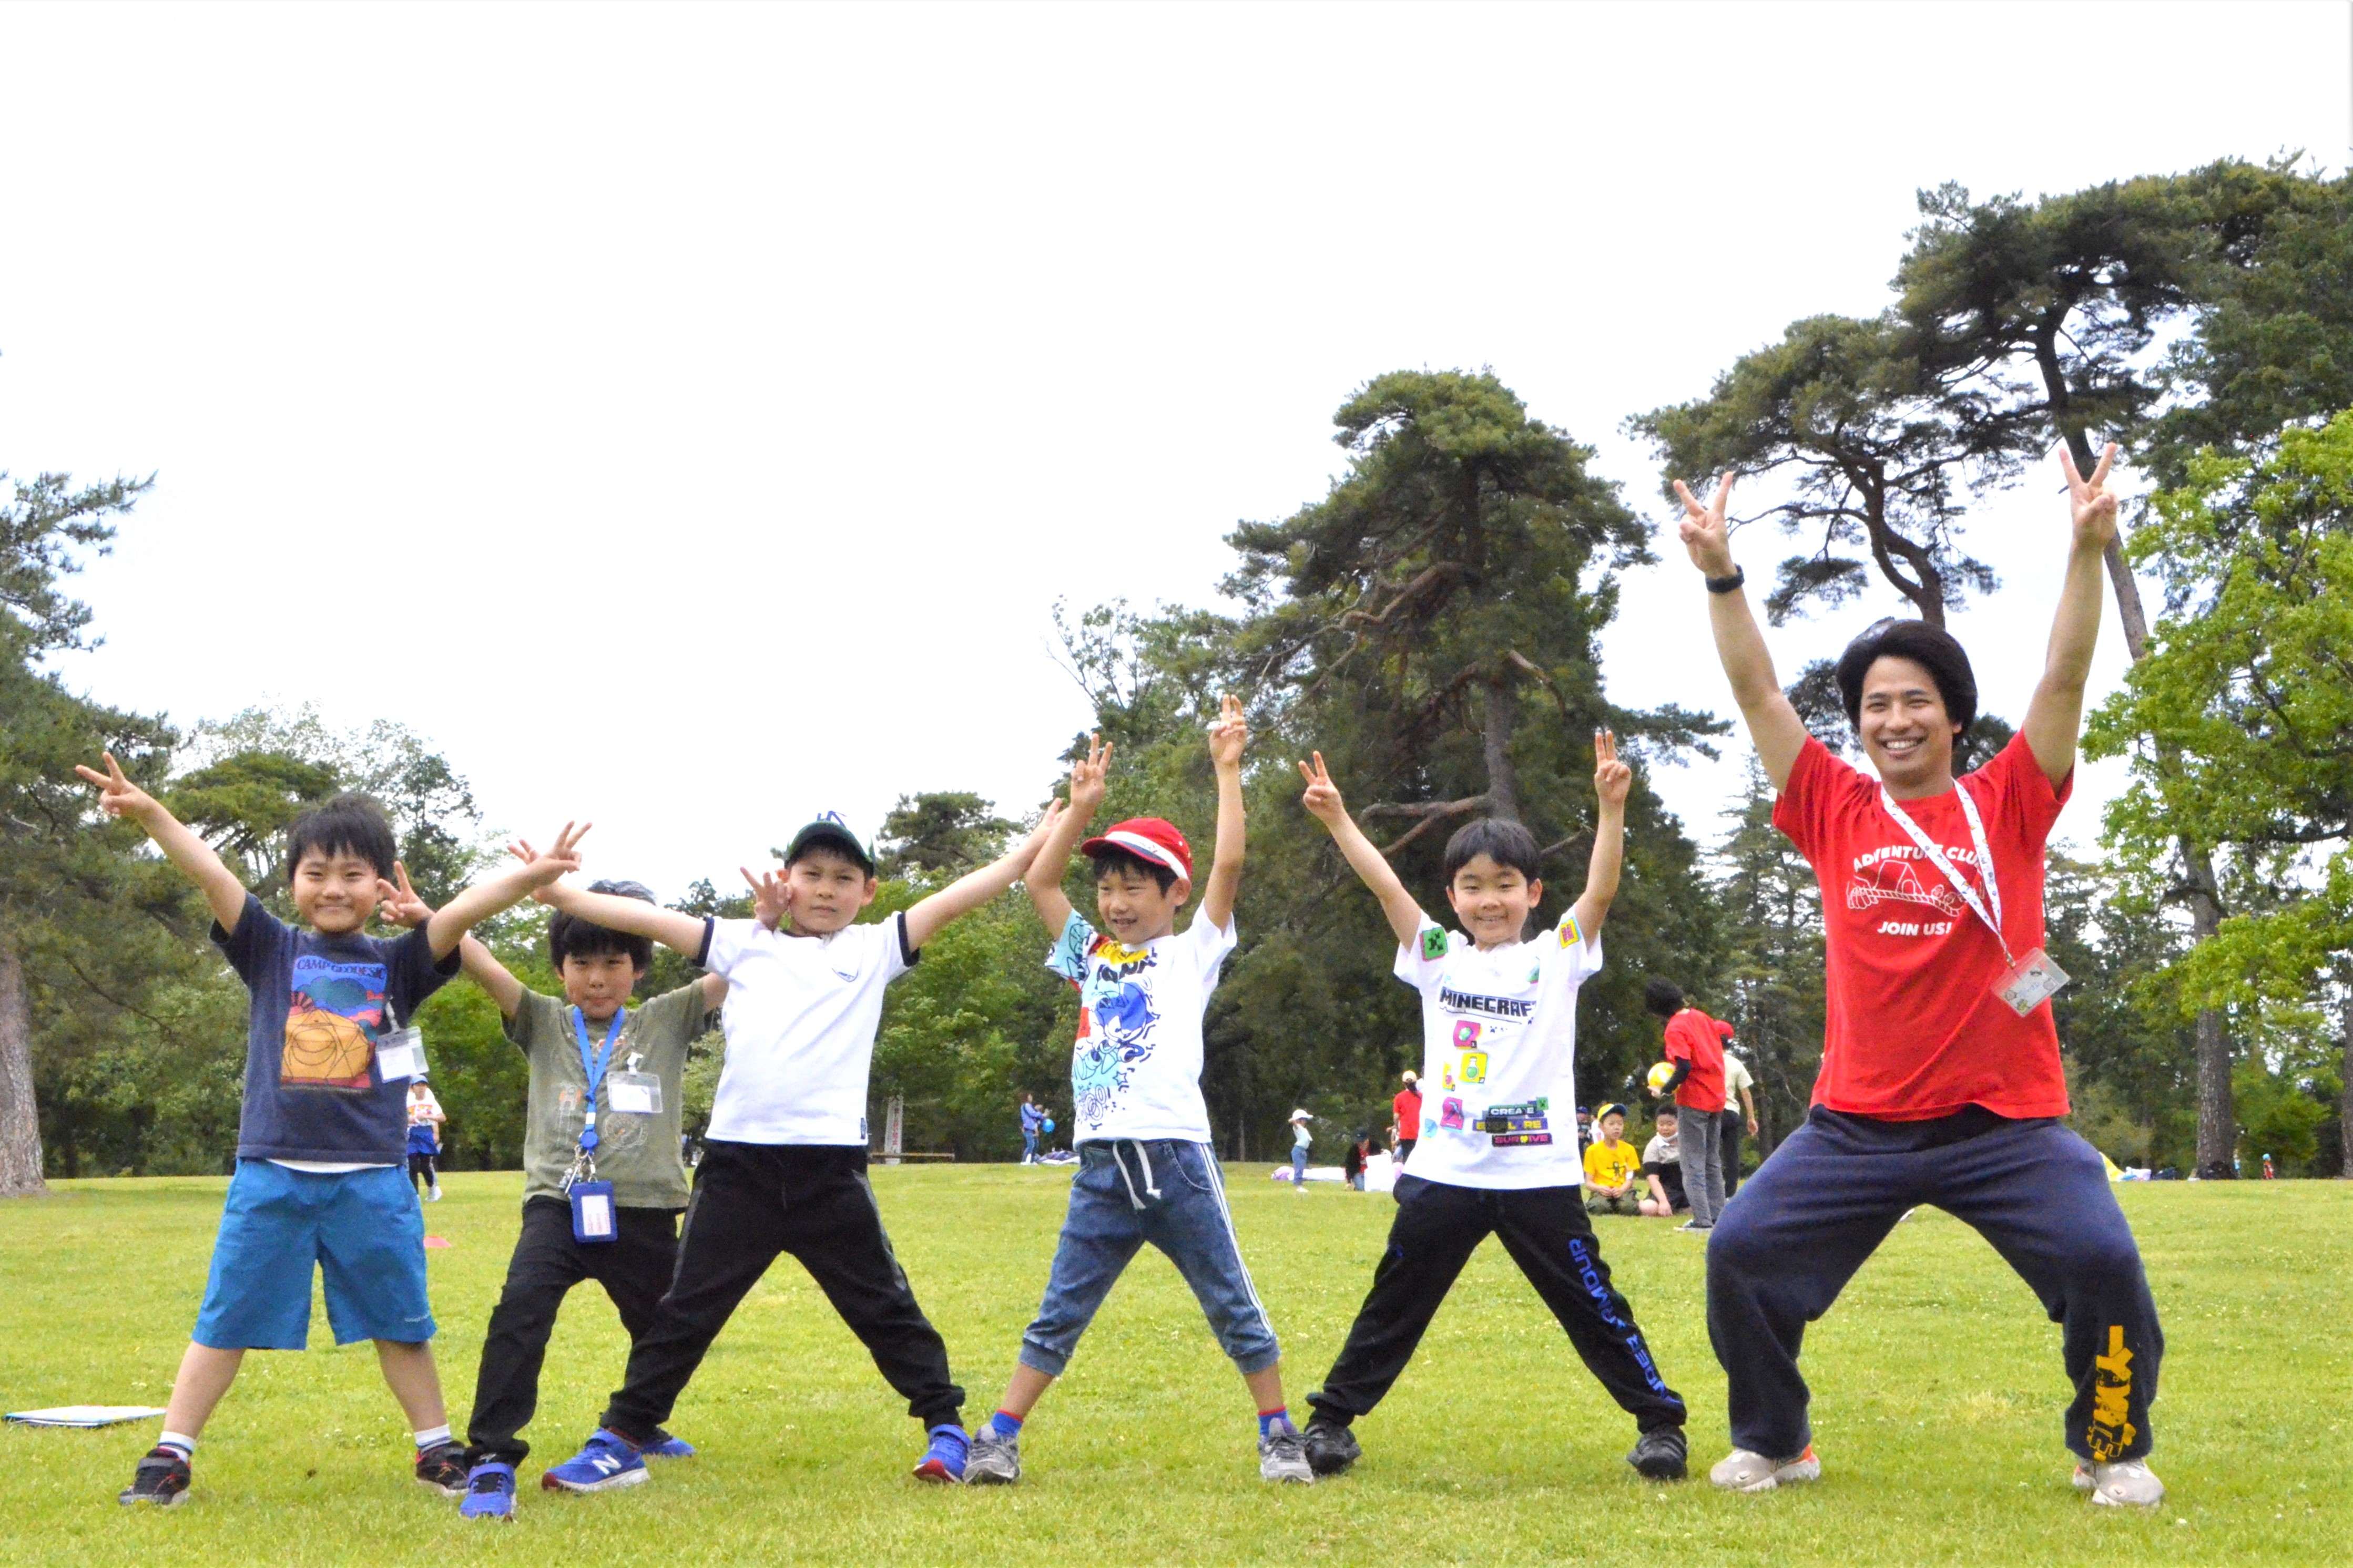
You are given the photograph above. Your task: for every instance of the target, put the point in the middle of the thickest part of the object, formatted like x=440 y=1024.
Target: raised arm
x=401 y=907
x=974 y=888
x=118 y=796
x=1045 y=877
x=1611 y=780
x=1227 y=739
x=2055 y=717
x=1774 y=726
x=478 y=903
x=1323 y=804
x=680 y=933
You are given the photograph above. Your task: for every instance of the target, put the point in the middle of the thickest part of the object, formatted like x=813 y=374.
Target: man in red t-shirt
x=1694 y=1045
x=1408 y=1109
x=1940 y=1080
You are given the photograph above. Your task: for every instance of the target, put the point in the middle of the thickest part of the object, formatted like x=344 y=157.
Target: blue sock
x=1005 y=1423
x=1268 y=1419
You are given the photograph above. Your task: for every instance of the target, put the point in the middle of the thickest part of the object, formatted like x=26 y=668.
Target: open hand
x=1322 y=798
x=1611 y=778
x=772 y=896
x=1086 y=782
x=548 y=867
x=117 y=795
x=2093 y=508
x=399 y=905
x=1228 y=734
x=1704 y=533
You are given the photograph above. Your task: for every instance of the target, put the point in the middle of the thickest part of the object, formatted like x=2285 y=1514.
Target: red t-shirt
x=1407 y=1106
x=1693 y=1037
x=1914 y=1027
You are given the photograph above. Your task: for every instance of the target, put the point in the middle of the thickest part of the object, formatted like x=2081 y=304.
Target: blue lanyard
x=593 y=1063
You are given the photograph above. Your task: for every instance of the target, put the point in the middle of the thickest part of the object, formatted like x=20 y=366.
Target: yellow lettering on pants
x=2112 y=1430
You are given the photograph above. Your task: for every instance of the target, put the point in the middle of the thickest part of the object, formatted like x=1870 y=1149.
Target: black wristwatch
x=1728 y=584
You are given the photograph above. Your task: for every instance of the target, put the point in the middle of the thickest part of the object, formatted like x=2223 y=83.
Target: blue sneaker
x=943 y=1460
x=608 y=1460
x=490 y=1492
x=665 y=1446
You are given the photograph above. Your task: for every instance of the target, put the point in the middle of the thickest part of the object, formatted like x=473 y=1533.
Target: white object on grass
x=84 y=1414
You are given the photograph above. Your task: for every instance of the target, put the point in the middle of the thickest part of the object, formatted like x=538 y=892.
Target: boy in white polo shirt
x=1146 y=1172
x=1498 y=1151
x=783 y=1163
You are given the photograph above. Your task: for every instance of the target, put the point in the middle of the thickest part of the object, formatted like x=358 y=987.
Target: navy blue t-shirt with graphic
x=311 y=1087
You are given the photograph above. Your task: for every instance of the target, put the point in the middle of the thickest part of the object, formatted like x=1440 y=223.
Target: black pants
x=1438 y=1228
x=1834 y=1189
x=635 y=1270
x=1733 y=1127
x=421 y=1172
x=753 y=1201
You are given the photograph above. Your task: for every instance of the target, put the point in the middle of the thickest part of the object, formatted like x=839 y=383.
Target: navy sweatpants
x=1806 y=1221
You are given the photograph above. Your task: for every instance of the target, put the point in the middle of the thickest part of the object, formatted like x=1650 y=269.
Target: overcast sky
x=686 y=418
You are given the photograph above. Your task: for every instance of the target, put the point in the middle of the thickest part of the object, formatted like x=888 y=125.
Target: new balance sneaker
x=490 y=1492
x=1331 y=1448
x=943 y=1460
x=995 y=1460
x=1283 y=1456
x=2129 y=1483
x=1742 y=1471
x=1661 y=1455
x=162 y=1478
x=610 y=1460
x=443 y=1467
x=665 y=1446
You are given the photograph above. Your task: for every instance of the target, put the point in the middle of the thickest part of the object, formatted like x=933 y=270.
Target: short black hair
x=1111 y=857
x=350 y=824
x=1663 y=997
x=569 y=936
x=1501 y=840
x=1933 y=648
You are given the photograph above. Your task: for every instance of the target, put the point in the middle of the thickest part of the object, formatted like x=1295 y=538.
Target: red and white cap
x=1150 y=838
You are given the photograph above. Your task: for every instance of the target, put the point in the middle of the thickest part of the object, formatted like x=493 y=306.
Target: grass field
x=1937 y=1385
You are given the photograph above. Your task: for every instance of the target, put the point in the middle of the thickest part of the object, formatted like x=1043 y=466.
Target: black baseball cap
x=830 y=831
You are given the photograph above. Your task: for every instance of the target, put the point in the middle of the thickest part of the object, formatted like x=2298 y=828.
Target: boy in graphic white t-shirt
x=1498 y=1151
x=1145 y=1173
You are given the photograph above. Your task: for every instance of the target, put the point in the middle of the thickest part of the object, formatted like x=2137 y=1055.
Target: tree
x=940 y=836
x=1774 y=975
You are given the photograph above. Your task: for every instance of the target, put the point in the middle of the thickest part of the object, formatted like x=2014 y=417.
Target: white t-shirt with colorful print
x=1499 y=1055
x=1136 y=1069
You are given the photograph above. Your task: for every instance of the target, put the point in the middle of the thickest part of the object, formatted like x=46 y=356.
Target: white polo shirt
x=800 y=1018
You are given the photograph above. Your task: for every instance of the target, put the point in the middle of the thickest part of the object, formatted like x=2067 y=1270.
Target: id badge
x=2031 y=981
x=635 y=1091
x=592 y=1212
x=400 y=1055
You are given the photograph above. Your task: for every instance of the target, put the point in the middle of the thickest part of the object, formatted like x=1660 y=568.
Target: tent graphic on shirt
x=331 y=1018
x=1893 y=881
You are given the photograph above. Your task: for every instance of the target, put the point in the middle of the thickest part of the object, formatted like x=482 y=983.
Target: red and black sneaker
x=162 y=1478
x=443 y=1467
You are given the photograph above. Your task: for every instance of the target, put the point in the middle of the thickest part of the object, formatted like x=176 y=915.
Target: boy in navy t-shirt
x=323 y=1128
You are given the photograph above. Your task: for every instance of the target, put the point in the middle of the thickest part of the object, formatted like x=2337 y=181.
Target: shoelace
x=492 y=1482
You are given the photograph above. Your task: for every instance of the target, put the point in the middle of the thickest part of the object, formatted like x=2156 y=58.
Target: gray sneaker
x=1282 y=1456
x=994 y=1461
x=2128 y=1484
x=1742 y=1471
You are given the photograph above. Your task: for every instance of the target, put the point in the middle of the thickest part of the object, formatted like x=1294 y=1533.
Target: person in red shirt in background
x=1940 y=1080
x=1695 y=1046
x=1407 y=1106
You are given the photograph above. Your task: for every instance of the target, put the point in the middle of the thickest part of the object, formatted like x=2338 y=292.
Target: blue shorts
x=362 y=1227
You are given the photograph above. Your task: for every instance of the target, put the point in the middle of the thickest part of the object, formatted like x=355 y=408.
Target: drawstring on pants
x=1146 y=1160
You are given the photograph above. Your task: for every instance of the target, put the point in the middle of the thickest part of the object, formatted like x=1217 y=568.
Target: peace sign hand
x=1322 y=798
x=400 y=906
x=1228 y=735
x=1086 y=782
x=1611 y=778
x=772 y=896
x=2093 y=506
x=559 y=861
x=117 y=795
x=1704 y=533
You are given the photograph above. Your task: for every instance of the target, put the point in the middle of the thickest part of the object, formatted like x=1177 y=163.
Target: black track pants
x=1436 y=1228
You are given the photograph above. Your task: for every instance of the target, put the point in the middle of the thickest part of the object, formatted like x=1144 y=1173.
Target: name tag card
x=592 y=1212
x=2031 y=981
x=638 y=1092
x=400 y=1055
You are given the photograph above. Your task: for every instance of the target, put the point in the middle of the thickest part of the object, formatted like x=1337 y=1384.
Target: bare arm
x=2055 y=717
x=1045 y=878
x=488 y=972
x=714 y=991
x=478 y=903
x=1225 y=742
x=1774 y=726
x=118 y=796
x=1323 y=802
x=680 y=933
x=974 y=888
x=1611 y=780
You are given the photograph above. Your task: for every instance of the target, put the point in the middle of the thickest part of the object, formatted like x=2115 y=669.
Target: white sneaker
x=1742 y=1471
x=2127 y=1484
x=1282 y=1456
x=433 y=1194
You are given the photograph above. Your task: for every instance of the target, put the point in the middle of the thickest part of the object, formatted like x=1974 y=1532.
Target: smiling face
x=599 y=984
x=1905 y=729
x=828 y=890
x=1492 y=901
x=334 y=894
x=1130 y=907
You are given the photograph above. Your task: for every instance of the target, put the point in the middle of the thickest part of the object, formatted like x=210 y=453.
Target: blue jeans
x=1299 y=1165
x=1171 y=1194
x=1028 y=1145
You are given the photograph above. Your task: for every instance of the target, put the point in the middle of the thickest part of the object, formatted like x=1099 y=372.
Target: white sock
x=186 y=1446
x=433 y=1437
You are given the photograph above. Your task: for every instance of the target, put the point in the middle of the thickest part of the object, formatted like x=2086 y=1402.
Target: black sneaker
x=1660 y=1455
x=443 y=1467
x=161 y=1479
x=1331 y=1448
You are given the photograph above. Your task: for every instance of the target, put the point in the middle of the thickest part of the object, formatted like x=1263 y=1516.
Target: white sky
x=686 y=417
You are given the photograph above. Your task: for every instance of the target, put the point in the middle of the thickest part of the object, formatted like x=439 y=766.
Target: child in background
x=1612 y=1169
x=1662 y=1167
x=1302 y=1142
x=323 y=1128
x=424 y=1120
x=1694 y=1047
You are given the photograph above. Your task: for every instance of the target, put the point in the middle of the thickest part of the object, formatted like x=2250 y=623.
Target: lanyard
x=1937 y=858
x=593 y=1063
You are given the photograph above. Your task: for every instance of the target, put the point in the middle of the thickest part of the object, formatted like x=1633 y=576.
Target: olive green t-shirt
x=636 y=1152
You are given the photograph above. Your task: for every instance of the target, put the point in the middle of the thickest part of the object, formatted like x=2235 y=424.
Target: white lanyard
x=1937 y=858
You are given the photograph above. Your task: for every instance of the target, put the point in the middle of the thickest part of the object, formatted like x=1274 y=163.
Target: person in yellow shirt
x=1612 y=1168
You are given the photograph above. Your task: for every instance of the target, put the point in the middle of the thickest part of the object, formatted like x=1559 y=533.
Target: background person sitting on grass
x=1613 y=1172
x=1662 y=1167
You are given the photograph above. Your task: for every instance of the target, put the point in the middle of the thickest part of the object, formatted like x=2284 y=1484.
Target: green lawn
x=1937 y=1381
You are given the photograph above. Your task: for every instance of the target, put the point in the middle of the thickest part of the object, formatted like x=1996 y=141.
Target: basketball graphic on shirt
x=1892 y=880
x=331 y=1018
